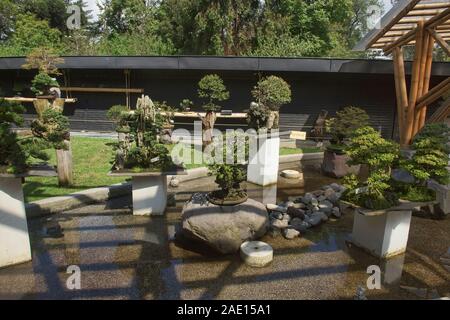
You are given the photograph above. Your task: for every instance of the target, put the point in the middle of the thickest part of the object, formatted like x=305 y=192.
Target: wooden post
x=415 y=79
x=423 y=63
x=64 y=165
x=427 y=77
x=401 y=92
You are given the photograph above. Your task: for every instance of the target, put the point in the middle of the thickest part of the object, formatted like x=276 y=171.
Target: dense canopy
x=187 y=27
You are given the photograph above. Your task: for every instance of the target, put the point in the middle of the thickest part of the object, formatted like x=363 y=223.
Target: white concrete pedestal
x=14 y=239
x=149 y=195
x=383 y=235
x=263 y=165
x=442 y=195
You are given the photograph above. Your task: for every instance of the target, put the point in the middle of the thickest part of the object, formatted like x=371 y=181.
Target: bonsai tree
x=367 y=147
x=257 y=116
x=429 y=161
x=15 y=153
x=186 y=105
x=142 y=150
x=343 y=125
x=270 y=94
x=230 y=172
x=49 y=110
x=212 y=90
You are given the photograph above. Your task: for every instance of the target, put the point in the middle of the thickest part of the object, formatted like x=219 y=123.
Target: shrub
x=186 y=105
x=272 y=92
x=15 y=153
x=257 y=116
x=212 y=89
x=345 y=123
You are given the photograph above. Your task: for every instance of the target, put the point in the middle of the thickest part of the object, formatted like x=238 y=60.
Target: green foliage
x=212 y=89
x=345 y=123
x=15 y=153
x=272 y=92
x=43 y=59
x=257 y=116
x=186 y=105
x=230 y=172
x=115 y=113
x=52 y=127
x=42 y=82
x=141 y=149
x=31 y=33
x=367 y=147
x=430 y=159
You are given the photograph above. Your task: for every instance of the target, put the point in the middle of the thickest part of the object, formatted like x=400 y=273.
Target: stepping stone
x=291 y=174
x=256 y=253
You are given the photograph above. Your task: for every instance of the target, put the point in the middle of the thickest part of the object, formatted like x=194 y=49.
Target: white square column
x=263 y=164
x=14 y=238
x=149 y=195
x=384 y=235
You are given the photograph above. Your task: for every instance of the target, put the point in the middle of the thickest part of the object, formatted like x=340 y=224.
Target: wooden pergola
x=423 y=24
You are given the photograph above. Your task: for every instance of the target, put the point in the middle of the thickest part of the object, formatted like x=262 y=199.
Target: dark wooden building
x=317 y=84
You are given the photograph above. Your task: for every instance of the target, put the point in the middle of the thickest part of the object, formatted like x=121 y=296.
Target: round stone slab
x=256 y=253
x=291 y=174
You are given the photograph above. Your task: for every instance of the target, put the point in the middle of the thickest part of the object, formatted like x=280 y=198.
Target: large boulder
x=224 y=228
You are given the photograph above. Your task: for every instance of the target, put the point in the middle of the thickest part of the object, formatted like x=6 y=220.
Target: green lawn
x=92 y=161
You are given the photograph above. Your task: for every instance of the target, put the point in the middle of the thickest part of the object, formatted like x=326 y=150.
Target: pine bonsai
x=16 y=154
x=367 y=147
x=343 y=125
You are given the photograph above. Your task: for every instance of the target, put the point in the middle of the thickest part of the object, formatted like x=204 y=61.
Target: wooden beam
x=440 y=40
x=393 y=22
x=439 y=5
x=415 y=80
x=102 y=90
x=442 y=113
x=21 y=99
x=426 y=88
x=434 y=94
x=401 y=92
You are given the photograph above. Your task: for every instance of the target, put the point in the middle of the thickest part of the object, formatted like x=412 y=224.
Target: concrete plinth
x=383 y=235
x=149 y=195
x=14 y=239
x=263 y=165
x=442 y=195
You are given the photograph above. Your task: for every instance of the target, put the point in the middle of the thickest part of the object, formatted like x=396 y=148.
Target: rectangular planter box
x=149 y=191
x=382 y=233
x=14 y=237
x=263 y=165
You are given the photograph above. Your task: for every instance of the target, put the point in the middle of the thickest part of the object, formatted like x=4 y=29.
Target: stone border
x=54 y=205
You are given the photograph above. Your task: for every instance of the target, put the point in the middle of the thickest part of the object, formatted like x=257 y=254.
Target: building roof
x=242 y=64
x=400 y=23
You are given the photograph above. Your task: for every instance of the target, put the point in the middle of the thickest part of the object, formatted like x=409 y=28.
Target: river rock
x=314 y=220
x=274 y=207
x=325 y=206
x=290 y=233
x=404 y=176
x=307 y=198
x=174 y=182
x=276 y=215
x=224 y=228
x=296 y=213
x=280 y=224
x=314 y=202
x=336 y=212
x=300 y=225
x=336 y=187
x=291 y=174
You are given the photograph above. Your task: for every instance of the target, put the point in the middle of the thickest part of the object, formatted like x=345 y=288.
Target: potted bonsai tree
x=381 y=218
x=270 y=94
x=49 y=106
x=340 y=128
x=17 y=156
x=212 y=90
x=142 y=155
x=230 y=174
x=428 y=167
